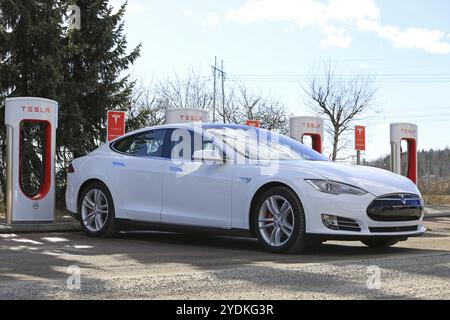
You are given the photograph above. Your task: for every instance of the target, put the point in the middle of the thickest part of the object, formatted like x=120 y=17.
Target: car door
x=138 y=174
x=194 y=192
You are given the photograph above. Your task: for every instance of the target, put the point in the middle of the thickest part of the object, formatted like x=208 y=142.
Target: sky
x=404 y=44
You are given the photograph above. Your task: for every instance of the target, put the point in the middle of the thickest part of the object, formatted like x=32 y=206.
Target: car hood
x=374 y=180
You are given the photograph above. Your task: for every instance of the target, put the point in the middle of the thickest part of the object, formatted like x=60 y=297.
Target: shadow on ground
x=36 y=258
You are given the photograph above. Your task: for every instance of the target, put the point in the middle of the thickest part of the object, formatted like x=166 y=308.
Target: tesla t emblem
x=360 y=130
x=402 y=197
x=116 y=117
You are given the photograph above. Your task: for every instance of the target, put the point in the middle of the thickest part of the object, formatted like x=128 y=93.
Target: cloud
x=335 y=37
x=431 y=41
x=309 y=14
x=304 y=12
x=336 y=19
x=187 y=13
x=336 y=41
x=212 y=20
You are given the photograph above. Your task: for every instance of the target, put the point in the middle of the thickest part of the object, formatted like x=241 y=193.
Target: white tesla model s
x=238 y=180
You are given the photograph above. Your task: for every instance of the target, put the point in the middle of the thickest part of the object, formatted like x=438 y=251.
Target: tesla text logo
x=408 y=131
x=35 y=109
x=191 y=118
x=116 y=124
x=311 y=125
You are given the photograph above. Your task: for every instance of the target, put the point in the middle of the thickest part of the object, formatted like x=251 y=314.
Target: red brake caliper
x=270 y=216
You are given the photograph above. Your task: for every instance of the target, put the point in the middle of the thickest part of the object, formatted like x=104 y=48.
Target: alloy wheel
x=94 y=210
x=276 y=221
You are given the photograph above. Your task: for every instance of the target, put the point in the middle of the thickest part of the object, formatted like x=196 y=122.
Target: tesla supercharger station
x=404 y=132
x=31 y=125
x=299 y=127
x=185 y=115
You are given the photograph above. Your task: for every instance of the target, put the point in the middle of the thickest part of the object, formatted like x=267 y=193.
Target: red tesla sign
x=115 y=124
x=360 y=138
x=253 y=123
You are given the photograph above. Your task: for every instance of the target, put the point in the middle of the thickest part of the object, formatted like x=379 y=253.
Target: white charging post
x=409 y=133
x=31 y=125
x=181 y=115
x=300 y=127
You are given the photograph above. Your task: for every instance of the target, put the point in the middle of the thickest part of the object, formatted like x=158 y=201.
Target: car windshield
x=260 y=144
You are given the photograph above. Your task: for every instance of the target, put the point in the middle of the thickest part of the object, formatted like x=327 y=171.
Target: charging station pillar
x=299 y=127
x=31 y=125
x=404 y=132
x=186 y=115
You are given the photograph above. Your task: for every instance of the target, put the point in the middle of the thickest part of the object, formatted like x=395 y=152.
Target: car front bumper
x=352 y=207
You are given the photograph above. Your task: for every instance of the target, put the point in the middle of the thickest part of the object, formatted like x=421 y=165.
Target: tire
x=96 y=219
x=380 y=243
x=293 y=220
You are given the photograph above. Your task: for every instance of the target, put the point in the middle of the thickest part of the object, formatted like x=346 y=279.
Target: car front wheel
x=279 y=221
x=97 y=211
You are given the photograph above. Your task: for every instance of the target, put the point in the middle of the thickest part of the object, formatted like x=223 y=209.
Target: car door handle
x=118 y=164
x=176 y=169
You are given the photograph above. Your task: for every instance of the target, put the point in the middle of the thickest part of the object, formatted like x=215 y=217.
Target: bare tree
x=151 y=101
x=242 y=103
x=340 y=99
x=191 y=92
x=145 y=109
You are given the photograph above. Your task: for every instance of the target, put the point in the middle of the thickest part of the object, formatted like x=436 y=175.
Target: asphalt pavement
x=176 y=266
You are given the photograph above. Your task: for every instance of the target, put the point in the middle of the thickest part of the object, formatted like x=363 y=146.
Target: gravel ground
x=174 y=266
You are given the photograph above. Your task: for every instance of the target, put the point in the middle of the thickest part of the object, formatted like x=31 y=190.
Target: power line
x=388 y=78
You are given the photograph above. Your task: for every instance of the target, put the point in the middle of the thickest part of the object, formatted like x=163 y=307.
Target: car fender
x=97 y=171
x=240 y=219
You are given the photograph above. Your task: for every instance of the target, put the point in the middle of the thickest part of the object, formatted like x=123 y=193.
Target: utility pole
x=223 y=92
x=214 y=95
x=222 y=74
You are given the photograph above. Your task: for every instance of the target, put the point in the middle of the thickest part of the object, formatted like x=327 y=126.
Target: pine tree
x=96 y=56
x=81 y=69
x=30 y=59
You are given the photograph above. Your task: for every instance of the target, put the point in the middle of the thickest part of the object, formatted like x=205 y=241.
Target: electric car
x=242 y=181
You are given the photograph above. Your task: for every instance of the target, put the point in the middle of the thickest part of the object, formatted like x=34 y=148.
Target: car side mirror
x=208 y=155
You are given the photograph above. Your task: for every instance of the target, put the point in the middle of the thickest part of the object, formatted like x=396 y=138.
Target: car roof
x=190 y=126
x=206 y=125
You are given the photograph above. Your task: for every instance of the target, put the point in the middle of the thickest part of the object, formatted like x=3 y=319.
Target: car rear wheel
x=279 y=221
x=97 y=213
x=380 y=243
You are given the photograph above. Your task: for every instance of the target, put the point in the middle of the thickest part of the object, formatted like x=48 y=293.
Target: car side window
x=179 y=147
x=145 y=144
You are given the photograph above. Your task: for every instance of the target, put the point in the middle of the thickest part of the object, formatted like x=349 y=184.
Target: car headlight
x=336 y=188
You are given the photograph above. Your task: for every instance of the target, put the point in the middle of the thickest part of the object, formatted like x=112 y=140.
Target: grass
x=437 y=192
x=437 y=200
